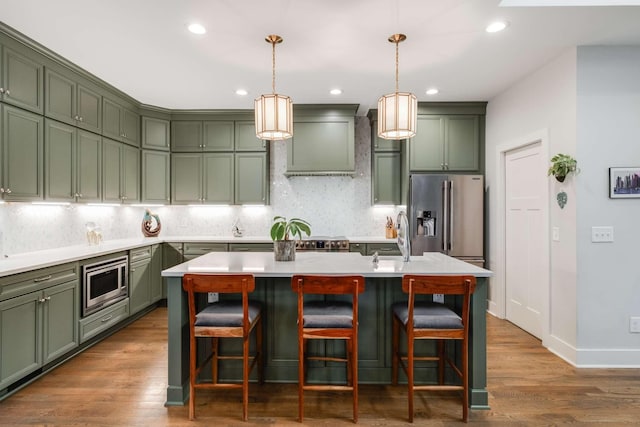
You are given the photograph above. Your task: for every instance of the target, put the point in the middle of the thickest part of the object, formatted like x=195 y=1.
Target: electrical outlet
x=212 y=297
x=634 y=325
x=438 y=298
x=602 y=234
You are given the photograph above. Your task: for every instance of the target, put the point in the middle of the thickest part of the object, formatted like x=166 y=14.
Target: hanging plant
x=562 y=165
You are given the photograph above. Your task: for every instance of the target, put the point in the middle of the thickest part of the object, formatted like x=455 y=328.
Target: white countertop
x=20 y=263
x=262 y=264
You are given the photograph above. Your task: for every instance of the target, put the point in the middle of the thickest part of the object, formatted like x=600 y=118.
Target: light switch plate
x=212 y=297
x=634 y=325
x=438 y=298
x=556 y=234
x=602 y=234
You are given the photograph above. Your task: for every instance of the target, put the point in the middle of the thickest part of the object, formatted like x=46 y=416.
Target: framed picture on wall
x=624 y=183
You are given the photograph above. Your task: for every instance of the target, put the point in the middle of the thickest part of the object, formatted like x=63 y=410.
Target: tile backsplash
x=334 y=205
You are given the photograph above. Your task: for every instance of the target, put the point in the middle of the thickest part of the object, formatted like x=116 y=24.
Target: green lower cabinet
x=104 y=319
x=383 y=248
x=156 y=272
x=171 y=256
x=139 y=285
x=195 y=249
x=250 y=247
x=37 y=328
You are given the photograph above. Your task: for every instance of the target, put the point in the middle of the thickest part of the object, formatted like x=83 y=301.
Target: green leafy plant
x=283 y=229
x=562 y=165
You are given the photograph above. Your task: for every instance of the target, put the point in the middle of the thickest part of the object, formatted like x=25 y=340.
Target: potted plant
x=283 y=247
x=562 y=165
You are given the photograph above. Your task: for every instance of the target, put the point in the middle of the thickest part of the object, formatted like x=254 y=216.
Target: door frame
x=499 y=304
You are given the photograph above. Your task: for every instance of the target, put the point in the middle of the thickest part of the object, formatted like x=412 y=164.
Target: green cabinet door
x=88 y=167
x=218 y=136
x=426 y=149
x=186 y=136
x=60 y=161
x=22 y=155
x=155 y=177
x=110 y=171
x=111 y=119
x=381 y=144
x=387 y=178
x=89 y=109
x=60 y=320
x=218 y=177
x=171 y=256
x=251 y=178
x=20 y=331
x=130 y=127
x=139 y=285
x=156 y=291
x=21 y=80
x=155 y=133
x=186 y=178
x=60 y=100
x=245 y=137
x=130 y=178
x=463 y=143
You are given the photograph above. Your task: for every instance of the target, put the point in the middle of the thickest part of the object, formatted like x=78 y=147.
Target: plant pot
x=284 y=250
x=560 y=178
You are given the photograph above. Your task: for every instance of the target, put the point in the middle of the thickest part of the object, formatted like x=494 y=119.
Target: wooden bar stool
x=430 y=320
x=336 y=320
x=224 y=319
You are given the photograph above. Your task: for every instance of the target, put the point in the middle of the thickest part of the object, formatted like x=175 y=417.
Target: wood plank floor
x=122 y=382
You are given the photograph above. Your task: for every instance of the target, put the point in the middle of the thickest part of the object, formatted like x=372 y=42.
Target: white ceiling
x=143 y=47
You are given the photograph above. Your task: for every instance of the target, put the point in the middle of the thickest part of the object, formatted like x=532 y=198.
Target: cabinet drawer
x=203 y=248
x=139 y=254
x=383 y=248
x=250 y=247
x=20 y=284
x=358 y=247
x=104 y=319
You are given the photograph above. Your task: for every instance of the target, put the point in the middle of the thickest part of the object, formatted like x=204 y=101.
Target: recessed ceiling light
x=197 y=29
x=495 y=27
x=241 y=92
x=335 y=91
x=432 y=91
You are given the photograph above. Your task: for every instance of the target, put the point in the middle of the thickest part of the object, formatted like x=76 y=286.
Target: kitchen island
x=382 y=288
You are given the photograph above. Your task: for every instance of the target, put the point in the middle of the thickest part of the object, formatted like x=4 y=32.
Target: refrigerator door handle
x=451 y=233
x=445 y=216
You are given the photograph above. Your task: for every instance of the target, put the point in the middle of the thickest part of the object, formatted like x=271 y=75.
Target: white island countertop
x=262 y=264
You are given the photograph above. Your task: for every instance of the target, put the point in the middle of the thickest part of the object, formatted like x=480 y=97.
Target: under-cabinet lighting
x=104 y=204
x=253 y=206
x=149 y=205
x=208 y=206
x=51 y=203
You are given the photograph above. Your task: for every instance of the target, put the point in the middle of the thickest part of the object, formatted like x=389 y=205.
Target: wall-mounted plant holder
x=562 y=165
x=561 y=197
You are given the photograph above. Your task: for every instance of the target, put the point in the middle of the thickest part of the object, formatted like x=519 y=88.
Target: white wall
x=608 y=105
x=541 y=103
x=333 y=206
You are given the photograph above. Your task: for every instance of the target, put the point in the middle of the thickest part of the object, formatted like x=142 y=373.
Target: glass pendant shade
x=274 y=117
x=397 y=115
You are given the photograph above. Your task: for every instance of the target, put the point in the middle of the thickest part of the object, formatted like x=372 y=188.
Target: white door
x=526 y=277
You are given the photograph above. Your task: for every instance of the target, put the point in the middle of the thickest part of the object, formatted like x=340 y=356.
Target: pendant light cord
x=397 y=65
x=273 y=69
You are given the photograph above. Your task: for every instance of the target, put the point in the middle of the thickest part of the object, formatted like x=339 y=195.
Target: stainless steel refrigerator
x=446 y=214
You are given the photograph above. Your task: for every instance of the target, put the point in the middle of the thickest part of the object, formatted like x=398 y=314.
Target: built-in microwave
x=104 y=283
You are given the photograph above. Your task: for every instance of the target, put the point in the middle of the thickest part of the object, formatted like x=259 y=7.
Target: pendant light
x=274 y=113
x=397 y=112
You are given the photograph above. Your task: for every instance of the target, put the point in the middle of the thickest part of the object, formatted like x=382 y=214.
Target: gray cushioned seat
x=428 y=315
x=226 y=313
x=328 y=314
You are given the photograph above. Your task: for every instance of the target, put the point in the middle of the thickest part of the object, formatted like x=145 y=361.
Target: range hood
x=323 y=142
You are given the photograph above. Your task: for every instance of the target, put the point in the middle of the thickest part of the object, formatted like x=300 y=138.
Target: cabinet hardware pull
x=106 y=319
x=81 y=119
x=133 y=269
x=1 y=90
x=42 y=279
x=48 y=298
x=40 y=300
x=1 y=190
x=8 y=92
x=8 y=191
x=76 y=117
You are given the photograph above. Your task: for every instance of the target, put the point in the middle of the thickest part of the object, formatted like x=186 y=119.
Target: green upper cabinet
x=202 y=178
x=387 y=178
x=155 y=177
x=72 y=163
x=245 y=137
x=218 y=135
x=446 y=143
x=21 y=155
x=120 y=122
x=21 y=77
x=252 y=178
x=381 y=144
x=323 y=141
x=186 y=135
x=155 y=133
x=69 y=101
x=120 y=172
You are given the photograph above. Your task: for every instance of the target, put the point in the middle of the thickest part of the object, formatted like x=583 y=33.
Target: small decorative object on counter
x=150 y=224
x=94 y=233
x=390 y=231
x=237 y=229
x=284 y=249
x=404 y=244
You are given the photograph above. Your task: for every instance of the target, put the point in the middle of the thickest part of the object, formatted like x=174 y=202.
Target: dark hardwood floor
x=122 y=382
